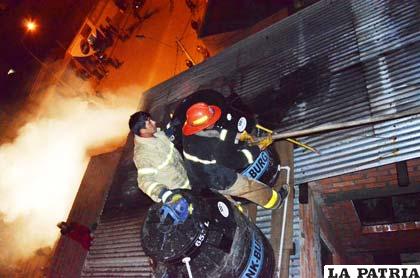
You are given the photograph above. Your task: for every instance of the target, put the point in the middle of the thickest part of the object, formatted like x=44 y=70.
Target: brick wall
x=413 y=167
x=357 y=246
x=378 y=177
x=360 y=259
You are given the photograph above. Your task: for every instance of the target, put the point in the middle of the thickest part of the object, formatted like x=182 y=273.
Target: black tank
x=218 y=238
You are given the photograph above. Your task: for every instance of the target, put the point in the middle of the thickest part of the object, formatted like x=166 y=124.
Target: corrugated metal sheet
x=116 y=250
x=332 y=62
x=263 y=221
x=387 y=36
x=294 y=266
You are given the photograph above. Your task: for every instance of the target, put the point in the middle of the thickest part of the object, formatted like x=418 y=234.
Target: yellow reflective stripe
x=196 y=159
x=200 y=120
x=151 y=188
x=168 y=158
x=147 y=171
x=273 y=200
x=240 y=208
x=248 y=155
x=223 y=134
x=166 y=195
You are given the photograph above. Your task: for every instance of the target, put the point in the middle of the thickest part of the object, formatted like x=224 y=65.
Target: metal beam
x=282 y=219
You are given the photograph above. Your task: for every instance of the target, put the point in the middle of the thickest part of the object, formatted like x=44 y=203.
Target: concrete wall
x=69 y=256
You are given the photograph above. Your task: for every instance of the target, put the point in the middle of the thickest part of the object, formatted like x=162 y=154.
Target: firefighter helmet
x=199 y=117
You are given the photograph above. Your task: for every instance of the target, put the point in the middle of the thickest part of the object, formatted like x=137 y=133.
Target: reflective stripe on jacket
x=213 y=162
x=159 y=165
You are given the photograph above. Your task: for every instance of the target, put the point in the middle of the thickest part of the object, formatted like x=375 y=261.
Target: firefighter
x=160 y=167
x=211 y=160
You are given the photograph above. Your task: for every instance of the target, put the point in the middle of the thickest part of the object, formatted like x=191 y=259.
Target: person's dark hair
x=138 y=121
x=64 y=227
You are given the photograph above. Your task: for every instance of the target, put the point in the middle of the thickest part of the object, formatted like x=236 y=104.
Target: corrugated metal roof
x=332 y=62
x=116 y=250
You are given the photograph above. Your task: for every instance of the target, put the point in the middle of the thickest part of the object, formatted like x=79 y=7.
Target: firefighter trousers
x=254 y=191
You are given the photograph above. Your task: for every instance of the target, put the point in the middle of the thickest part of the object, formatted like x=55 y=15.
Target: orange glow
x=30 y=25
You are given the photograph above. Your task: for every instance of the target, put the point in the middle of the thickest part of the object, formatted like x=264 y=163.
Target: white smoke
x=41 y=170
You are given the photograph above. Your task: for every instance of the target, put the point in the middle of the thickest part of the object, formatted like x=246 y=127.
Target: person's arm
x=146 y=179
x=237 y=156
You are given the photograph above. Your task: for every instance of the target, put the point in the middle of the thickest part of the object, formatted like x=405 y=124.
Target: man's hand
x=267 y=141
x=246 y=137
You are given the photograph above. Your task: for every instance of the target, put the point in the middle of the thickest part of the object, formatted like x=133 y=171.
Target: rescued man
x=160 y=167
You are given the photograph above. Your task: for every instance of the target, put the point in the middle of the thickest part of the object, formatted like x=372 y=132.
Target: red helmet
x=199 y=117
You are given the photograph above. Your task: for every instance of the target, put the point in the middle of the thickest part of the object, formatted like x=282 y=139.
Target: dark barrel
x=218 y=238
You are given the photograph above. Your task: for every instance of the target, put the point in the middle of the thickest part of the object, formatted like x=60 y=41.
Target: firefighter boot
x=284 y=193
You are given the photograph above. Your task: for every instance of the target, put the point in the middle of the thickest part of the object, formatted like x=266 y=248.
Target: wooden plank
x=310 y=253
x=285 y=151
x=414 y=113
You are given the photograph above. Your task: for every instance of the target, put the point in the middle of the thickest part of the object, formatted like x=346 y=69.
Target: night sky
x=57 y=23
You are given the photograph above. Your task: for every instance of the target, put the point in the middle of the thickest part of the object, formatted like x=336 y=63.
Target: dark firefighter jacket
x=213 y=162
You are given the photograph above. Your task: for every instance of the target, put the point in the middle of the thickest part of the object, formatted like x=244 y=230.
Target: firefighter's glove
x=246 y=137
x=175 y=211
x=267 y=141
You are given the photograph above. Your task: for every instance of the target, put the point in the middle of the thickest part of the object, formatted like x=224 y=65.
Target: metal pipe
x=185 y=51
x=338 y=126
x=283 y=225
x=186 y=261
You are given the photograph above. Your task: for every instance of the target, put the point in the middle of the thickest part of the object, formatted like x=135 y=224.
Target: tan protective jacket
x=159 y=165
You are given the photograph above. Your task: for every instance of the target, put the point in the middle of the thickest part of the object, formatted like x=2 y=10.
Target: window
x=388 y=210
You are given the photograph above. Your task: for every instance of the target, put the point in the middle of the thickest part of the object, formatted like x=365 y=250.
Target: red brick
x=386 y=178
x=413 y=162
x=356 y=186
x=414 y=180
x=353 y=177
x=368 y=180
x=330 y=180
x=343 y=184
x=411 y=169
x=383 y=172
x=332 y=190
x=375 y=185
x=387 y=167
x=415 y=174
